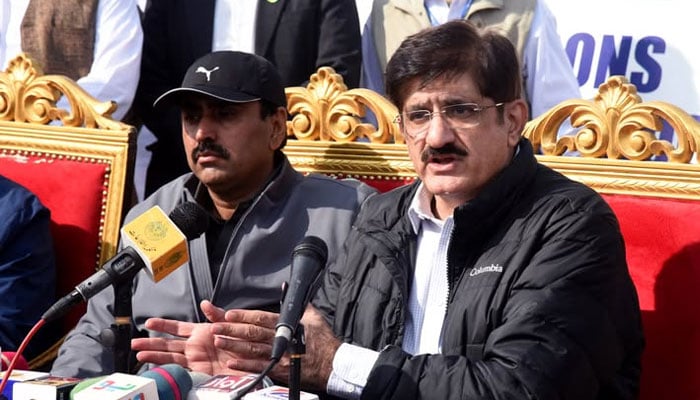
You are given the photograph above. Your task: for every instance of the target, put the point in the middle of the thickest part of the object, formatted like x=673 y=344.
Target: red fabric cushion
x=662 y=239
x=73 y=190
x=380 y=183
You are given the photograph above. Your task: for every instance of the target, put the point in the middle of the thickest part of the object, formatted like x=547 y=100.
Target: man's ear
x=278 y=130
x=515 y=117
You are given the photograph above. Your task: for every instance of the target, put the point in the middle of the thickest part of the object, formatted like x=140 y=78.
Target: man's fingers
x=212 y=312
x=248 y=332
x=247 y=366
x=254 y=317
x=160 y=358
x=158 y=344
x=169 y=326
x=243 y=348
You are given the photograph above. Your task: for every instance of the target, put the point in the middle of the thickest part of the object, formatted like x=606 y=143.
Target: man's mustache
x=209 y=147
x=450 y=148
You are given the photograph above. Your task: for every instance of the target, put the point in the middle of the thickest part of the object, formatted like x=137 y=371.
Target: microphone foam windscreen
x=314 y=247
x=190 y=218
x=172 y=380
x=6 y=358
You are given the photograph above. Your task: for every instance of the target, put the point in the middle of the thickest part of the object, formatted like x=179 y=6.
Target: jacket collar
x=478 y=219
x=278 y=186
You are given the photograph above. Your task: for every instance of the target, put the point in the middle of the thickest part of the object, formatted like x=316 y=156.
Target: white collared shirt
x=234 y=25
x=427 y=302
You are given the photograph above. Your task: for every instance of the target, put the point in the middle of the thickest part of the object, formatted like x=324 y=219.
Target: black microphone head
x=191 y=219
x=314 y=246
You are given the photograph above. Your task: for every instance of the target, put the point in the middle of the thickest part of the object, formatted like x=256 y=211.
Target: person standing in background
x=548 y=77
x=95 y=42
x=297 y=36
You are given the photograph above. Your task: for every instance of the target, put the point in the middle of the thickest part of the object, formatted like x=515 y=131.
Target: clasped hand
x=238 y=342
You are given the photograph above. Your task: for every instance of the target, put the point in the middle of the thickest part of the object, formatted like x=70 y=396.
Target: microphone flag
x=119 y=386
x=159 y=242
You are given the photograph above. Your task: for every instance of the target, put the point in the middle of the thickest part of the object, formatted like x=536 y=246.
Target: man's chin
x=210 y=175
x=445 y=184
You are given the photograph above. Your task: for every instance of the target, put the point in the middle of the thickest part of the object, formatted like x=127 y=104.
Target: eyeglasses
x=459 y=116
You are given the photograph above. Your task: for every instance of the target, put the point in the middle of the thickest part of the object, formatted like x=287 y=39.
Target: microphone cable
x=257 y=380
x=18 y=353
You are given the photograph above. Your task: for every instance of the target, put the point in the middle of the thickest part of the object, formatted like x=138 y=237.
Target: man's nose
x=206 y=129
x=439 y=131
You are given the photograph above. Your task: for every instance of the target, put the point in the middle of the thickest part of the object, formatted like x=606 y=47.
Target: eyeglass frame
x=476 y=109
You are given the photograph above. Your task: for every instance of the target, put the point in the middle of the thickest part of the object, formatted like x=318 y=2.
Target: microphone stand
x=297 y=347
x=121 y=328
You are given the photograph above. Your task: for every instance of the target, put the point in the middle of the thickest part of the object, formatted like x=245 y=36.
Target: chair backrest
x=332 y=132
x=76 y=161
x=652 y=185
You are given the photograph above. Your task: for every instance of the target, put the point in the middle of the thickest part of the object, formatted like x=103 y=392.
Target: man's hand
x=248 y=335
x=193 y=345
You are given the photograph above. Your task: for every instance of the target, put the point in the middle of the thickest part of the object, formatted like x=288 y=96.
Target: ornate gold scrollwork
x=28 y=96
x=326 y=110
x=616 y=124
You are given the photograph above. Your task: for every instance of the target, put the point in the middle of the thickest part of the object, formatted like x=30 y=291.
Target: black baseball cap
x=230 y=76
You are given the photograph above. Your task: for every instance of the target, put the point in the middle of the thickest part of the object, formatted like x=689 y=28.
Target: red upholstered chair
x=656 y=202
x=76 y=161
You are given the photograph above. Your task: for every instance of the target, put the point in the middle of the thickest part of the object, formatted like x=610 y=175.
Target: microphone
x=84 y=384
x=277 y=392
x=151 y=240
x=308 y=259
x=46 y=388
x=17 y=376
x=224 y=387
x=173 y=381
x=6 y=358
x=117 y=386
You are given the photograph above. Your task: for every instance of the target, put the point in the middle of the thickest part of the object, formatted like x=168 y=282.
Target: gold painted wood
x=358 y=160
x=614 y=138
x=616 y=124
x=326 y=110
x=328 y=133
x=28 y=96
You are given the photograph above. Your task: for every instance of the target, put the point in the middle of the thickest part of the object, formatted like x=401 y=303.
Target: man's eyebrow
x=417 y=107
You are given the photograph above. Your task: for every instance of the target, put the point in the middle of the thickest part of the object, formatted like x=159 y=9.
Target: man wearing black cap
x=234 y=126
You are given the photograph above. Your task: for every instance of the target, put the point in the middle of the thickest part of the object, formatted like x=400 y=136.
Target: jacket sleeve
x=326 y=297
x=27 y=271
x=83 y=354
x=568 y=326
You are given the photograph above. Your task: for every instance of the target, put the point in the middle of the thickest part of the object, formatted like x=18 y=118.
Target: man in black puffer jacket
x=492 y=277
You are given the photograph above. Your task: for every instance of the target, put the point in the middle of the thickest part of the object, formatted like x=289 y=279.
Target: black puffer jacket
x=541 y=305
